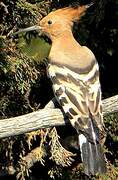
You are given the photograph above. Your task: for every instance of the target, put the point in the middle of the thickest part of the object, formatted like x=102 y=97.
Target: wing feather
x=79 y=96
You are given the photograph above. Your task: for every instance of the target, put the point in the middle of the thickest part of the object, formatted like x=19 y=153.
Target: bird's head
x=59 y=21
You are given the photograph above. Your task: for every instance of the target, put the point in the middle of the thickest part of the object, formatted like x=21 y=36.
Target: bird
x=74 y=72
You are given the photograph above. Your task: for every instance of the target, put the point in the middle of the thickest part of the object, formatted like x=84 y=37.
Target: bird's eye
x=49 y=22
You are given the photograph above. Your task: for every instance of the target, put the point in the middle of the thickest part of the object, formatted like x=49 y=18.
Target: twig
x=5 y=7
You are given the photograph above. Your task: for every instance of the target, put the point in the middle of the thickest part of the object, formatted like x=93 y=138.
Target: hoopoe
x=74 y=72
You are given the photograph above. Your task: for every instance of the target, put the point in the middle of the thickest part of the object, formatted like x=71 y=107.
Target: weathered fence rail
x=47 y=117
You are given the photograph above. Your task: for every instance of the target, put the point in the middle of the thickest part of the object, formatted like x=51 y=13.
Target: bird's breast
x=78 y=60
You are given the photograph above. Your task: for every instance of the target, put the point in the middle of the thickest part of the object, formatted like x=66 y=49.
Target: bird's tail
x=92 y=155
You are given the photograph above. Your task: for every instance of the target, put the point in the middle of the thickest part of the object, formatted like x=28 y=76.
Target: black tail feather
x=92 y=157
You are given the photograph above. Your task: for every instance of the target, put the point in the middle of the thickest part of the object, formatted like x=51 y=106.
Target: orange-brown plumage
x=74 y=72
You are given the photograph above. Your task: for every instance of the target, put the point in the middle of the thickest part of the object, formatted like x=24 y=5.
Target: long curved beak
x=32 y=28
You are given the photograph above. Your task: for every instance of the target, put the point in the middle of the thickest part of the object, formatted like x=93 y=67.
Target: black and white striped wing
x=79 y=96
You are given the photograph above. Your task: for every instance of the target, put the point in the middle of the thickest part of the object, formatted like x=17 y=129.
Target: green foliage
x=37 y=49
x=26 y=6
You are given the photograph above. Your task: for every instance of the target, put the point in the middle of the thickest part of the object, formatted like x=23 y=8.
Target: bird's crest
x=71 y=13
